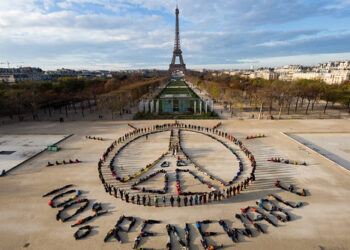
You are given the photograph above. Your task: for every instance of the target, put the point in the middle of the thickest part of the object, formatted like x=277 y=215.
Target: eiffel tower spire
x=177 y=48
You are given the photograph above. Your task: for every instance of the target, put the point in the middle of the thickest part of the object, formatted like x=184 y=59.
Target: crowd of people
x=273 y=210
x=212 y=176
x=270 y=215
x=285 y=161
x=203 y=234
x=200 y=169
x=217 y=125
x=82 y=204
x=266 y=208
x=54 y=205
x=287 y=203
x=64 y=162
x=115 y=231
x=90 y=217
x=82 y=232
x=172 y=230
x=141 y=180
x=231 y=233
x=184 y=199
x=131 y=126
x=58 y=190
x=119 y=141
x=290 y=188
x=94 y=138
x=250 y=137
x=144 y=233
x=178 y=184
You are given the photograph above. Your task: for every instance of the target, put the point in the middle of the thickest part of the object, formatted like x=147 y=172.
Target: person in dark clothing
x=207 y=234
x=185 y=201
x=252 y=176
x=137 y=241
x=209 y=196
x=191 y=200
x=138 y=199
x=178 y=201
x=302 y=193
x=82 y=232
x=144 y=200
x=172 y=201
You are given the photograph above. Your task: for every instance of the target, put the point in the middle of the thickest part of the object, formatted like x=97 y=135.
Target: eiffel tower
x=177 y=48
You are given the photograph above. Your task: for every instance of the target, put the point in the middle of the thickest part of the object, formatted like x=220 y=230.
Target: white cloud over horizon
x=117 y=34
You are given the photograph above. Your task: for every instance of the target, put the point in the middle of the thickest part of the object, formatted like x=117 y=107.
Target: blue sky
x=129 y=34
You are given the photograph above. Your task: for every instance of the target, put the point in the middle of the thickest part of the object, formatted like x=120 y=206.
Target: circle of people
x=189 y=198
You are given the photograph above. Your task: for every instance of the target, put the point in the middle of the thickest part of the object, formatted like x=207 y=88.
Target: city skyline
x=121 y=34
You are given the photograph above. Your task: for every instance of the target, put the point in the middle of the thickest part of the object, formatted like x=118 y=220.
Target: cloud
x=141 y=32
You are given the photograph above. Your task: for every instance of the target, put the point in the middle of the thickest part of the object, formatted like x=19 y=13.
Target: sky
x=133 y=34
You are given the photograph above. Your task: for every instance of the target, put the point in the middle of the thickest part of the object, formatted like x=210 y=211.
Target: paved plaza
x=14 y=149
x=321 y=223
x=334 y=146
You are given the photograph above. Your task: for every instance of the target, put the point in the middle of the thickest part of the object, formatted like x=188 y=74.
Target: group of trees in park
x=127 y=93
x=31 y=97
x=69 y=93
x=124 y=90
x=263 y=94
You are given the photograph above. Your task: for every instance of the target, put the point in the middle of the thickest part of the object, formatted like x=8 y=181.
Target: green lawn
x=149 y=116
x=177 y=91
x=168 y=91
x=177 y=84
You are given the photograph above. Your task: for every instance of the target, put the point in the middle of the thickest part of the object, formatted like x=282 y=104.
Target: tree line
x=264 y=94
x=19 y=99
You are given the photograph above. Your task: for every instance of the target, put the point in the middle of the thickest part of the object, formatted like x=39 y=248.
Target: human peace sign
x=129 y=169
